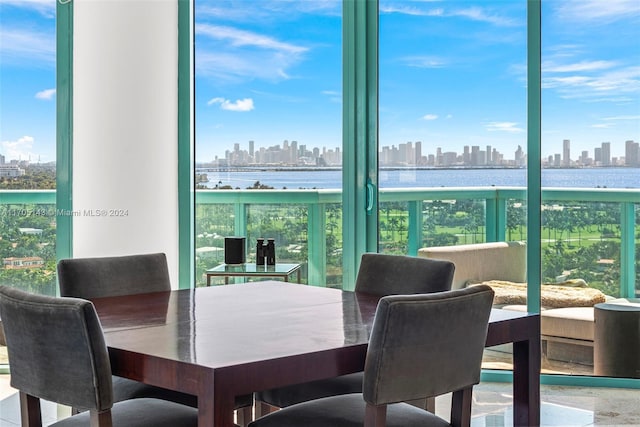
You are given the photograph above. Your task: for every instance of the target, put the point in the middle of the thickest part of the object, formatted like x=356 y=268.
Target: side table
x=282 y=271
x=616 y=344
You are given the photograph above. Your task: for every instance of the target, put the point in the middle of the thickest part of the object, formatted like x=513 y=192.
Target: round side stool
x=616 y=344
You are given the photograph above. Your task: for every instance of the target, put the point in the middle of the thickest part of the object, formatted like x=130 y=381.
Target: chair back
x=113 y=276
x=382 y=274
x=426 y=345
x=56 y=349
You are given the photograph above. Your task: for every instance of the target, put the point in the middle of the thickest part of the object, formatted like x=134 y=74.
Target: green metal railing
x=316 y=201
x=495 y=221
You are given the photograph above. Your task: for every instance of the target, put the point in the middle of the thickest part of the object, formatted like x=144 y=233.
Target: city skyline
x=451 y=73
x=294 y=153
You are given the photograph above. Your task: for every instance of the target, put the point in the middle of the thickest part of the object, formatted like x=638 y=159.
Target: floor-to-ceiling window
x=28 y=147
x=590 y=135
x=453 y=126
x=452 y=113
x=268 y=96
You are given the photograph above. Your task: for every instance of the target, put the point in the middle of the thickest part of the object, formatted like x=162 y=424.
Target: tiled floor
x=561 y=406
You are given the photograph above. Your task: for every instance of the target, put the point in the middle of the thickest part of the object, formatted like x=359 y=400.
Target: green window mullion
x=359 y=134
x=64 y=128
x=186 y=202
x=534 y=174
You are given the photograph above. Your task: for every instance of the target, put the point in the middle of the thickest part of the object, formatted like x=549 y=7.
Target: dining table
x=224 y=341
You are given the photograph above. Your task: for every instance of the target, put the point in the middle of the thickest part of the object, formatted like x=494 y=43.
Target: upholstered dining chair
x=126 y=275
x=421 y=346
x=381 y=275
x=57 y=352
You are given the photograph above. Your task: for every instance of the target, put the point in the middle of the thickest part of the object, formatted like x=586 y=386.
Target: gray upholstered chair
x=379 y=274
x=57 y=352
x=126 y=275
x=421 y=346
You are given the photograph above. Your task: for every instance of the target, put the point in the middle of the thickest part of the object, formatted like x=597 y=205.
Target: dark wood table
x=224 y=341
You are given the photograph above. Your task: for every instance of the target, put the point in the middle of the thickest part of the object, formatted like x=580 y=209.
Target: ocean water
x=411 y=178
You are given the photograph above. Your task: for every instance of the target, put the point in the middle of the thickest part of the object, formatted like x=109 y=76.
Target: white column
x=125 y=128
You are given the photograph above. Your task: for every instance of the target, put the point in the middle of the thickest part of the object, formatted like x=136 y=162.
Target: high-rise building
x=488 y=154
x=519 y=156
x=632 y=153
x=606 y=153
x=597 y=155
x=475 y=155
x=251 y=148
x=466 y=155
x=418 y=153
x=566 y=152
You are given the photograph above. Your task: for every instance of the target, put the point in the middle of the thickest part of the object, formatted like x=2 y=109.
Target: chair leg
x=461 y=407
x=375 y=416
x=30 y=414
x=263 y=409
x=244 y=416
x=100 y=419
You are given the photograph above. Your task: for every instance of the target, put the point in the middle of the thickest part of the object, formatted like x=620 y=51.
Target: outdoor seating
x=567 y=322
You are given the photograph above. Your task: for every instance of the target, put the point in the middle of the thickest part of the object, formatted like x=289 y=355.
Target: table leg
x=526 y=382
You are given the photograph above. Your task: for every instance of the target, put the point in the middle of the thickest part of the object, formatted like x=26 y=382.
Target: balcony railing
x=320 y=211
x=495 y=202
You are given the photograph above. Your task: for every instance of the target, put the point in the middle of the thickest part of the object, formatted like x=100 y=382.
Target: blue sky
x=452 y=73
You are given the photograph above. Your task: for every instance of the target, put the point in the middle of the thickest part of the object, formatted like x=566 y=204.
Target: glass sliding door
x=453 y=129
x=268 y=105
x=591 y=172
x=28 y=147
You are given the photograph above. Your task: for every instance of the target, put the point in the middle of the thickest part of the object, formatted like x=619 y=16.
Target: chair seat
x=298 y=393
x=346 y=411
x=141 y=413
x=124 y=388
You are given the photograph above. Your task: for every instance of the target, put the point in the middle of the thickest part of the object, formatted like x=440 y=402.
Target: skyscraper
x=566 y=152
x=606 y=154
x=632 y=153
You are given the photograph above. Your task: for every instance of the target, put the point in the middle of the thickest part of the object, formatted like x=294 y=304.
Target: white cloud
x=46 y=94
x=479 y=14
x=409 y=10
x=623 y=118
x=229 y=54
x=242 y=105
x=334 y=96
x=20 y=149
x=612 y=85
x=268 y=10
x=45 y=7
x=510 y=127
x=420 y=61
x=18 y=44
x=430 y=117
x=472 y=13
x=551 y=67
x=601 y=125
x=238 y=38
x=599 y=11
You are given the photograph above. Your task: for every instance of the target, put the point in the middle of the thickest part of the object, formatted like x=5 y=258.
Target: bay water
x=308 y=178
